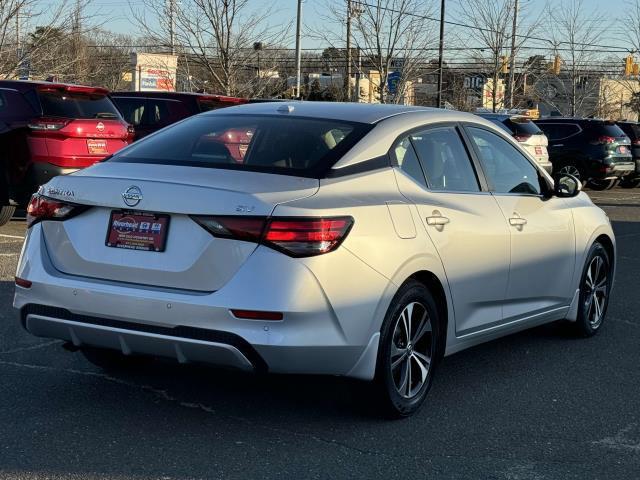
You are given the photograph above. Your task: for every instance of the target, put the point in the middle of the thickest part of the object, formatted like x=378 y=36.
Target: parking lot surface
x=535 y=405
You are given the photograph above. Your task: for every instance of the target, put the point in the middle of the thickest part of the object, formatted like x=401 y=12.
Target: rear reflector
x=45 y=208
x=21 y=282
x=256 y=315
x=295 y=236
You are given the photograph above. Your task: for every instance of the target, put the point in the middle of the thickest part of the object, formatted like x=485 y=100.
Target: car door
x=541 y=227
x=465 y=224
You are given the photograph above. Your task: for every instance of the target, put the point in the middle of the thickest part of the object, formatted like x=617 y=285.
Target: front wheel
x=629 y=182
x=602 y=184
x=595 y=287
x=6 y=213
x=408 y=351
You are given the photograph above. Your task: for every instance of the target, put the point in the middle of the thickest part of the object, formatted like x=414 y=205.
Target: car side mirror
x=566 y=186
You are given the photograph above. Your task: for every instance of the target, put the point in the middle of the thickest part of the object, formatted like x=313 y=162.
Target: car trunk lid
x=192 y=258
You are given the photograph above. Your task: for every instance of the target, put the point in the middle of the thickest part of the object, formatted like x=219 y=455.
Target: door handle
x=437 y=221
x=517 y=221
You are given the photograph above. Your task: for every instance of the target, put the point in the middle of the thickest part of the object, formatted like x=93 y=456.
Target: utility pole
x=18 y=28
x=512 y=63
x=172 y=26
x=298 y=51
x=440 y=55
x=347 y=80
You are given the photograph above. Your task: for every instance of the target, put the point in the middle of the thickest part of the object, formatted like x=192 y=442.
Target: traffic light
x=628 y=65
x=557 y=63
x=504 y=64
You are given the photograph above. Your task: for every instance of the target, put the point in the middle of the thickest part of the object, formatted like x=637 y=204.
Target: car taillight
x=606 y=140
x=636 y=142
x=521 y=137
x=295 y=236
x=48 y=124
x=306 y=237
x=45 y=208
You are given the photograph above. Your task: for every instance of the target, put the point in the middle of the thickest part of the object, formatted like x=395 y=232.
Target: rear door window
x=76 y=105
x=276 y=144
x=558 y=131
x=132 y=109
x=444 y=160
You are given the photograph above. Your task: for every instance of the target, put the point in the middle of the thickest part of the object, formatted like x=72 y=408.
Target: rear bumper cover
x=198 y=326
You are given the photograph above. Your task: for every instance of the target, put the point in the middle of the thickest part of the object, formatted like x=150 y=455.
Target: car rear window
x=631 y=129
x=522 y=126
x=132 y=109
x=267 y=143
x=608 y=129
x=76 y=105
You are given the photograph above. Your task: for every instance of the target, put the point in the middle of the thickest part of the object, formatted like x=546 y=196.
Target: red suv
x=49 y=129
x=151 y=111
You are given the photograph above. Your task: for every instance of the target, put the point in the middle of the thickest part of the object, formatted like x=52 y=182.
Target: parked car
x=527 y=133
x=595 y=151
x=355 y=240
x=49 y=129
x=632 y=130
x=151 y=111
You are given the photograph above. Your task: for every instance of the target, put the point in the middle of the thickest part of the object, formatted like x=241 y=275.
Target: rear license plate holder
x=134 y=230
x=97 y=147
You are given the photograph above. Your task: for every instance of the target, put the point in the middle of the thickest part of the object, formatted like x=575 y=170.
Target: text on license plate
x=97 y=147
x=137 y=230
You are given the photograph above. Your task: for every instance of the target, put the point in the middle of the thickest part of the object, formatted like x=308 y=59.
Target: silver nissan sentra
x=321 y=238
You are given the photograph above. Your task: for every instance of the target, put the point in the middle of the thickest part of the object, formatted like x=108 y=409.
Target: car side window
x=556 y=131
x=406 y=158
x=132 y=110
x=507 y=170
x=445 y=160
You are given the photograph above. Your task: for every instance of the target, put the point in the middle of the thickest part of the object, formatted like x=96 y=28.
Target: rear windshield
x=608 y=129
x=631 y=129
x=522 y=126
x=206 y=105
x=275 y=144
x=74 y=105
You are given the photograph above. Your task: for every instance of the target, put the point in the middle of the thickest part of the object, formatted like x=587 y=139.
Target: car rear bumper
x=191 y=326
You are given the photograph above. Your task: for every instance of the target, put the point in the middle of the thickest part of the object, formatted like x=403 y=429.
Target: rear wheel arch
x=436 y=288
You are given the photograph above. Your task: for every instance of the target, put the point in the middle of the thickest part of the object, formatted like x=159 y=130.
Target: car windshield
x=75 y=105
x=277 y=144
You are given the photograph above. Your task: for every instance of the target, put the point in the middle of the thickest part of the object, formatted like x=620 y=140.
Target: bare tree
x=390 y=36
x=575 y=33
x=218 y=36
x=492 y=28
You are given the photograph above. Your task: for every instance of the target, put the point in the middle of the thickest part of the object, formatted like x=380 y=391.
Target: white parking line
x=11 y=236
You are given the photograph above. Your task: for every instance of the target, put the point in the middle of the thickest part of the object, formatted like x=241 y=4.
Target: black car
x=596 y=151
x=632 y=130
x=151 y=111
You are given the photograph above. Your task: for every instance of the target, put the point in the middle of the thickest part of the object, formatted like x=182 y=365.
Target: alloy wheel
x=570 y=170
x=596 y=289
x=411 y=350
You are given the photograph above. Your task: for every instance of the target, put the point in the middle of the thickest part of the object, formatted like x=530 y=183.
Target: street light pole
x=348 y=66
x=512 y=63
x=298 y=51
x=440 y=55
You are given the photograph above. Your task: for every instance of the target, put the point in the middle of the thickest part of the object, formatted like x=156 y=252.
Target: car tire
x=406 y=362
x=595 y=288
x=629 y=182
x=602 y=184
x=110 y=360
x=571 y=169
x=6 y=213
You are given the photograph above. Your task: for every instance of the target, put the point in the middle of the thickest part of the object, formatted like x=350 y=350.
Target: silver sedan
x=343 y=239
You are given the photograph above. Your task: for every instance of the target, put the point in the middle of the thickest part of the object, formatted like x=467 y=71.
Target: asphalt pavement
x=535 y=405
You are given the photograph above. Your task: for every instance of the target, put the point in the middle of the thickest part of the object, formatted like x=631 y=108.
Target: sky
x=117 y=14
